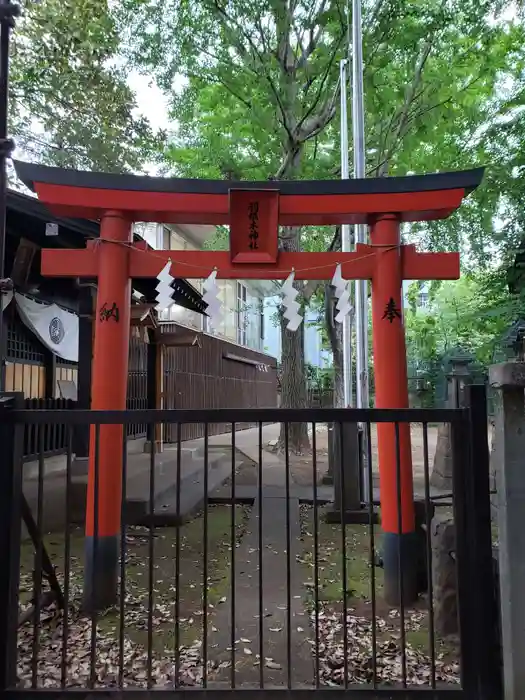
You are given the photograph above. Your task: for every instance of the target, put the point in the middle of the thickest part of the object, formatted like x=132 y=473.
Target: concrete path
x=271 y=628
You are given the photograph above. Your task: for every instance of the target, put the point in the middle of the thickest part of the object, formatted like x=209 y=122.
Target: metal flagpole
x=8 y=12
x=361 y=286
x=345 y=237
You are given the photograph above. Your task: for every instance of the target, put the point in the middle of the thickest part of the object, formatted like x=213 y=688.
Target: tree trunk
x=293 y=384
x=335 y=335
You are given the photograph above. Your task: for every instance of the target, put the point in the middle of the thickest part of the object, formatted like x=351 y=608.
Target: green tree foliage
x=443 y=88
x=473 y=313
x=471 y=316
x=261 y=78
x=261 y=92
x=431 y=69
x=70 y=104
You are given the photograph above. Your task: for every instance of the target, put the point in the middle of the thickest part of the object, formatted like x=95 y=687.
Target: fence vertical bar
x=372 y=545
x=260 y=556
x=123 y=555
x=344 y=571
x=67 y=559
x=400 y=559
x=96 y=550
x=316 y=554
x=37 y=572
x=11 y=439
x=176 y=677
x=233 y=542
x=428 y=537
x=480 y=535
x=288 y=561
x=151 y=557
x=464 y=574
x=205 y=562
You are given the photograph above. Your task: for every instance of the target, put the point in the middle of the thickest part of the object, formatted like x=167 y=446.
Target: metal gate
x=254 y=589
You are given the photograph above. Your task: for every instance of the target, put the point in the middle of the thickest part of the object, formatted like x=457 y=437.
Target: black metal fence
x=49 y=439
x=52 y=439
x=238 y=578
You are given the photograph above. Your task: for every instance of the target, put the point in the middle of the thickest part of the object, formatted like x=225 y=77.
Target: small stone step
x=192 y=452
x=138 y=481
x=192 y=494
x=245 y=494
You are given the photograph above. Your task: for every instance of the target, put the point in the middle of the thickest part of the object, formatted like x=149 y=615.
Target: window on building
x=261 y=320
x=242 y=319
x=166 y=238
x=422 y=301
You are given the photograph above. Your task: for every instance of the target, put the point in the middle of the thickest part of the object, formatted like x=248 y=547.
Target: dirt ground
x=359 y=582
x=148 y=622
x=302 y=465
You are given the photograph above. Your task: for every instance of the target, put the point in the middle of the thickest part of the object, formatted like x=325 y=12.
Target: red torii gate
x=254 y=211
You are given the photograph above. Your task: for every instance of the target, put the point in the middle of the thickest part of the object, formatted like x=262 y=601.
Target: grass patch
x=137 y=582
x=356 y=548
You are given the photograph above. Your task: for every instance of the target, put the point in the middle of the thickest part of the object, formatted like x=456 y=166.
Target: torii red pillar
x=254 y=212
x=391 y=391
x=109 y=389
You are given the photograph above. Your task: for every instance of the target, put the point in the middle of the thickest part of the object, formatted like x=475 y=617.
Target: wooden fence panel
x=218 y=375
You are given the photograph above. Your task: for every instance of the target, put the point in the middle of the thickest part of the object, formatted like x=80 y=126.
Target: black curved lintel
x=30 y=174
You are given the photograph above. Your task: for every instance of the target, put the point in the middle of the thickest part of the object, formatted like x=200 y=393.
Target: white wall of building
x=314 y=353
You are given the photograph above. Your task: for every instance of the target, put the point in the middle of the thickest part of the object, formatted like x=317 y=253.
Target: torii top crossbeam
x=301 y=203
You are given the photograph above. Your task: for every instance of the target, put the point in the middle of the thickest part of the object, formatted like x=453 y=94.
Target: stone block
x=343 y=450
x=80 y=466
x=328 y=478
x=159 y=446
x=420 y=514
x=444 y=580
x=441 y=477
x=507 y=374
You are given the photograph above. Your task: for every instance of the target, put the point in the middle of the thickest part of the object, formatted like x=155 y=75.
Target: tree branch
x=220 y=81
x=448 y=100
x=375 y=12
x=284 y=23
x=313 y=40
x=318 y=122
x=288 y=160
x=402 y=114
x=229 y=23
x=307 y=127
